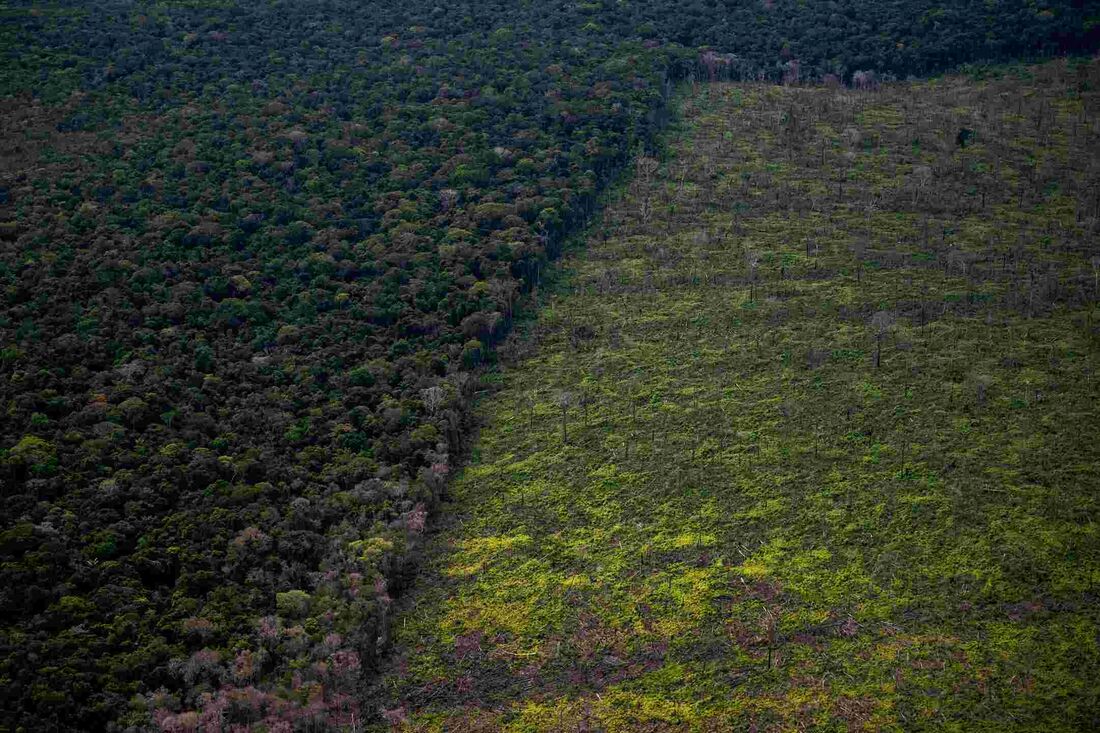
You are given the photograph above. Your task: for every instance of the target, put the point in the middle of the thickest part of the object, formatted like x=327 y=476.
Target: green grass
x=750 y=526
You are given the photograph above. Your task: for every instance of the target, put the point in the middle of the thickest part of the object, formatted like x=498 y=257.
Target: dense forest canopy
x=250 y=254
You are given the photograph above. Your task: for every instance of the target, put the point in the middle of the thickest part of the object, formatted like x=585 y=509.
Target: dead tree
x=881 y=323
x=565 y=400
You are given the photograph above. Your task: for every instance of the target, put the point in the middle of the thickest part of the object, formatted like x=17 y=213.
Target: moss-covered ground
x=697 y=503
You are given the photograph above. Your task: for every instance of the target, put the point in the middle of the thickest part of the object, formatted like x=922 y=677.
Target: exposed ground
x=807 y=439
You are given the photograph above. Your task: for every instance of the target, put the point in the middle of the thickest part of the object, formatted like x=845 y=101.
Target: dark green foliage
x=238 y=241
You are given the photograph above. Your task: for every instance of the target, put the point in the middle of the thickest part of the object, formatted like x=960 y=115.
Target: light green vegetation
x=697 y=504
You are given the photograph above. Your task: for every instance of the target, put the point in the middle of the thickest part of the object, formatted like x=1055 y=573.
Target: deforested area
x=806 y=438
x=257 y=260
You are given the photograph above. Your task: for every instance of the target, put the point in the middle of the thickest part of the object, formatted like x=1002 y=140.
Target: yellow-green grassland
x=806 y=436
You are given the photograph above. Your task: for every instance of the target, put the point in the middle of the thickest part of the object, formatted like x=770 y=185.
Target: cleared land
x=808 y=438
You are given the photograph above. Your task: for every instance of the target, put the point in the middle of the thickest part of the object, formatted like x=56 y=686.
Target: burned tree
x=881 y=323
